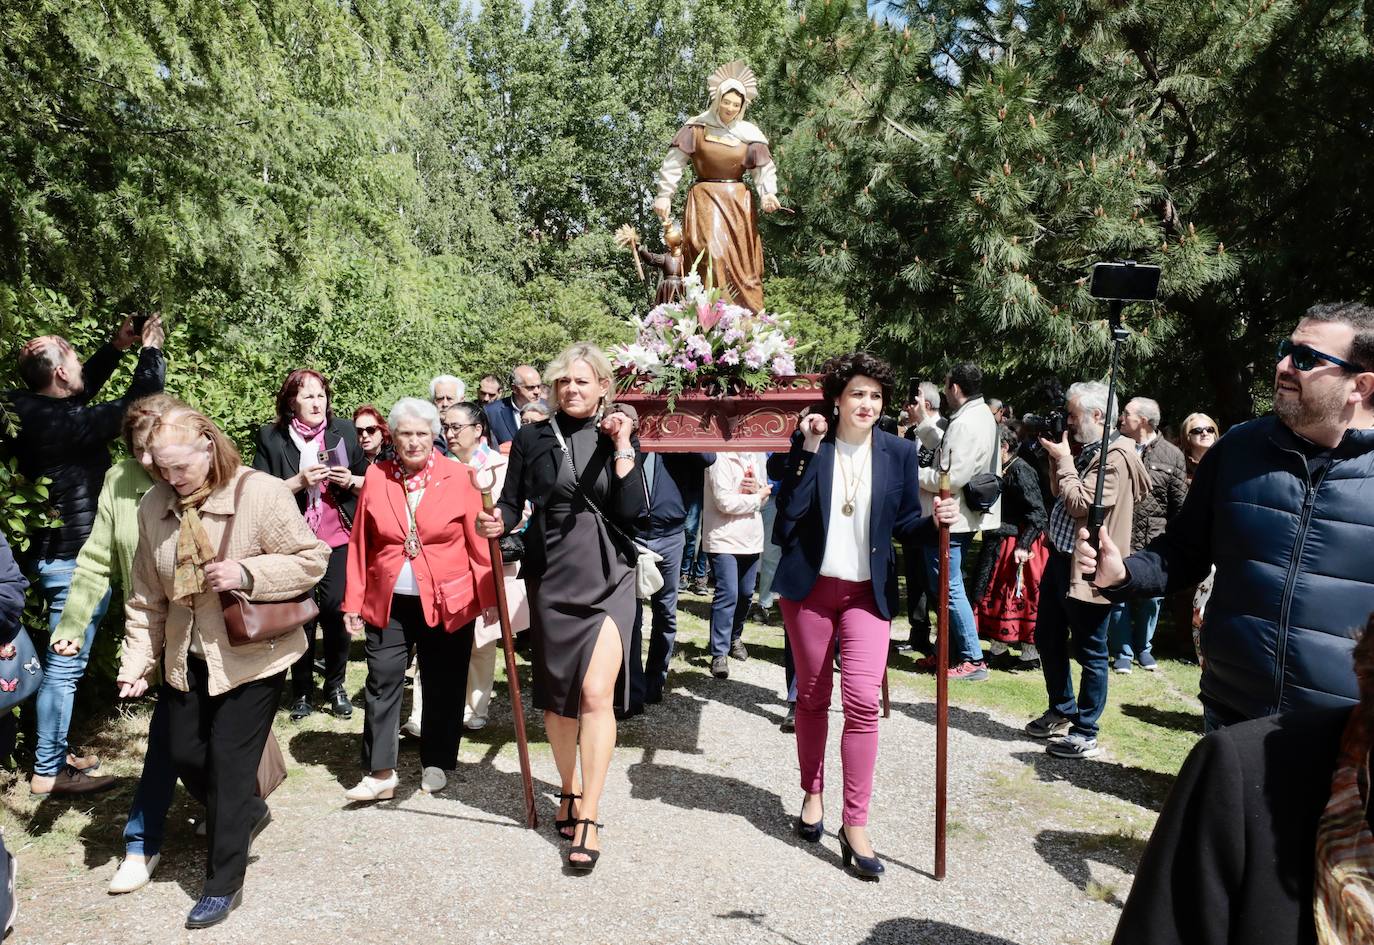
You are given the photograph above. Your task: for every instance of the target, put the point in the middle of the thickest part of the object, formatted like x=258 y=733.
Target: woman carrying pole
x=847 y=490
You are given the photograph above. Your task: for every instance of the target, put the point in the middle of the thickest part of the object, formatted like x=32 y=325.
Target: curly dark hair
x=839 y=371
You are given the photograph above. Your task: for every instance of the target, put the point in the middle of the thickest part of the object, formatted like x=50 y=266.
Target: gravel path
x=698 y=844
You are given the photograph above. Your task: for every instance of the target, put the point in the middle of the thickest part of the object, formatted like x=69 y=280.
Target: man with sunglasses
x=504 y=414
x=1281 y=505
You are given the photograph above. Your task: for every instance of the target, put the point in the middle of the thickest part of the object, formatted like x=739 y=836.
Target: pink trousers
x=843 y=609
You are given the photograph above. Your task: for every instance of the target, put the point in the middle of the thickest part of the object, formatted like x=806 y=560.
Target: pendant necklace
x=850 y=494
x=412 y=544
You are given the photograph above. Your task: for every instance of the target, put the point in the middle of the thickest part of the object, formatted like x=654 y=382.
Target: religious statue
x=670 y=265
x=718 y=222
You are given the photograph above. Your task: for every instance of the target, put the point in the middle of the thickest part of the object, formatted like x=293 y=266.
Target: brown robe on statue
x=720 y=215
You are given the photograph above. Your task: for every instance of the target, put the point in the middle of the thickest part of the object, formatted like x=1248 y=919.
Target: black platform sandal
x=589 y=864
x=569 y=822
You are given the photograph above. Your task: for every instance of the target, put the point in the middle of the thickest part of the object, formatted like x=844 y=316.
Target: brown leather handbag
x=255 y=621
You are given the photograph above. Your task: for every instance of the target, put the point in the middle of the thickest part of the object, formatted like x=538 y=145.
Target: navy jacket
x=667 y=511
x=1294 y=578
x=803 y=517
x=501 y=417
x=12 y=587
x=68 y=440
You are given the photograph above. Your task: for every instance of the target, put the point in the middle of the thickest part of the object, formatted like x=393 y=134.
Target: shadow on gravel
x=974 y=723
x=1164 y=718
x=1135 y=785
x=337 y=752
x=922 y=931
x=1070 y=852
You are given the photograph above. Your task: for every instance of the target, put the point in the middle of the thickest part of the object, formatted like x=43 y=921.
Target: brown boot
x=71 y=781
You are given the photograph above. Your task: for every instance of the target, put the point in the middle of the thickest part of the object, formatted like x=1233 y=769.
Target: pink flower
x=709 y=315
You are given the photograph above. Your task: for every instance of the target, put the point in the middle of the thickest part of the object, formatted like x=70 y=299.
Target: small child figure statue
x=671 y=265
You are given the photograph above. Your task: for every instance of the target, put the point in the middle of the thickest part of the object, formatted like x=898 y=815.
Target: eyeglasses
x=366 y=431
x=528 y=386
x=1305 y=357
x=457 y=427
x=1199 y=431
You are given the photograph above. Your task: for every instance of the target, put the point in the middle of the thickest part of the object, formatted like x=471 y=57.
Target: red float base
x=703 y=422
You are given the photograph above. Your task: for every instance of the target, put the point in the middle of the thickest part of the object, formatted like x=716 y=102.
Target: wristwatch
x=623 y=454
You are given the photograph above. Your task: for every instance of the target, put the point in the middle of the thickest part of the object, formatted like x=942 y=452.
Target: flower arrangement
x=704 y=341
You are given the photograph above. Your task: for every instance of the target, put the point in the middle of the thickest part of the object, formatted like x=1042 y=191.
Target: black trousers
x=216 y=744
x=329 y=595
x=443 y=675
x=917 y=598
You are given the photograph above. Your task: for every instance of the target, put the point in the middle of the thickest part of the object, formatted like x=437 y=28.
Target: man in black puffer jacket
x=1284 y=507
x=65 y=438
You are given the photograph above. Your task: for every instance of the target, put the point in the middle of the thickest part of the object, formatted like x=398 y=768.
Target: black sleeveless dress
x=584 y=582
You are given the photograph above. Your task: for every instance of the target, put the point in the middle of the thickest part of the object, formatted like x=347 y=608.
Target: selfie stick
x=1097 y=515
x=942 y=675
x=508 y=644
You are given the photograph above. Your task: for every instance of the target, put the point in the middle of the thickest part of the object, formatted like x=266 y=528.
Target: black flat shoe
x=789 y=722
x=212 y=910
x=301 y=708
x=339 y=703
x=589 y=864
x=569 y=822
x=869 y=867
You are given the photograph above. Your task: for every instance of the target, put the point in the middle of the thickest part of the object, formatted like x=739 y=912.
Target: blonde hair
x=183 y=425
x=561 y=366
x=1193 y=419
x=144 y=413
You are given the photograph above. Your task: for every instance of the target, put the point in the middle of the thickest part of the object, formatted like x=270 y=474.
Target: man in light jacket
x=970 y=440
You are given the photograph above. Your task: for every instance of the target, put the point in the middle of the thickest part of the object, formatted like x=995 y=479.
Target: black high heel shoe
x=589 y=864
x=868 y=867
x=811 y=833
x=566 y=823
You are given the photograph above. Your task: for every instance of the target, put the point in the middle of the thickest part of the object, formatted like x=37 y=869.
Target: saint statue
x=719 y=217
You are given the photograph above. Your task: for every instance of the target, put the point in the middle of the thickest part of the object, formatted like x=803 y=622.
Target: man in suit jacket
x=504 y=414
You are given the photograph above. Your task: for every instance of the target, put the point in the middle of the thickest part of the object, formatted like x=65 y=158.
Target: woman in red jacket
x=419 y=575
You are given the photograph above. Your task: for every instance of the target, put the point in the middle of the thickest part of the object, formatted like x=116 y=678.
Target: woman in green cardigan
x=106 y=557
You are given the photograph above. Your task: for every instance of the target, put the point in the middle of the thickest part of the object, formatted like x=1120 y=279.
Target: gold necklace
x=856 y=480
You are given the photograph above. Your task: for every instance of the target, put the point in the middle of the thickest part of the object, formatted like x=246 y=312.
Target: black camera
x=1051 y=424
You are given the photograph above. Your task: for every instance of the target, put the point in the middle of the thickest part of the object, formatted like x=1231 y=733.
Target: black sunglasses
x=366 y=431
x=1198 y=431
x=1305 y=357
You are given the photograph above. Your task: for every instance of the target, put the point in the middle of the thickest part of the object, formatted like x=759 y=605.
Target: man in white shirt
x=970 y=440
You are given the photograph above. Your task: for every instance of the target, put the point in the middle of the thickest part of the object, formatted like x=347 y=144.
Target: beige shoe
x=373 y=789
x=411 y=729
x=134 y=873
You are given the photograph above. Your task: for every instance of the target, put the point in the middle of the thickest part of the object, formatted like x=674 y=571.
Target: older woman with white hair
x=583 y=475
x=419 y=576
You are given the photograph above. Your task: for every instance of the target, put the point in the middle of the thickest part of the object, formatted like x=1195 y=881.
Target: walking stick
x=887 y=703
x=942 y=679
x=508 y=644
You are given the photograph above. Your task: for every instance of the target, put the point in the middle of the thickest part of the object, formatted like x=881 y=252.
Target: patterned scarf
x=1344 y=887
x=310 y=441
x=193 y=547
x=413 y=483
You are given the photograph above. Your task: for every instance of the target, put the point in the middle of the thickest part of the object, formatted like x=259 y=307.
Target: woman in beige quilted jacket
x=221 y=698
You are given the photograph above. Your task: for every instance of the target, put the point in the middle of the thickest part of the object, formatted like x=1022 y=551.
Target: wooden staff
x=508 y=644
x=942 y=679
x=887 y=703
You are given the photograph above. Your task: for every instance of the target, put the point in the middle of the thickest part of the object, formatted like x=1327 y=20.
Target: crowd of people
x=375 y=528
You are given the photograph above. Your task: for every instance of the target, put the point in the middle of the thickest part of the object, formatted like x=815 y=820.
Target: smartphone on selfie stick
x=1116 y=283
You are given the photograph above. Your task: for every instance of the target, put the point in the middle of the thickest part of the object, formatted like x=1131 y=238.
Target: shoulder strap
x=229 y=526
x=577 y=484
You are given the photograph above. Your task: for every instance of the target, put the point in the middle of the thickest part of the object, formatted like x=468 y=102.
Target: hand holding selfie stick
x=943 y=462
x=508 y=645
x=1118 y=283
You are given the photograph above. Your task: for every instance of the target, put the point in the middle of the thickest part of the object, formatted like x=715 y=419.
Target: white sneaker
x=202 y=827
x=373 y=789
x=475 y=723
x=134 y=873
x=411 y=729
x=433 y=780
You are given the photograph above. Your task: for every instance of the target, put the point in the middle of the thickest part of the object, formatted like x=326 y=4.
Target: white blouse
x=846 y=543
x=405 y=581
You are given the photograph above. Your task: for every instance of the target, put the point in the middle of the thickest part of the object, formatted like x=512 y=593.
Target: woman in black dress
x=583 y=476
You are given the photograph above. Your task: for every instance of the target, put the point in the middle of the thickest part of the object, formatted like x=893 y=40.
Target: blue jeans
x=772 y=554
x=735 y=579
x=693 y=557
x=1133 y=627
x=663 y=606
x=963 y=630
x=1066 y=627
x=57 y=694
x=153 y=798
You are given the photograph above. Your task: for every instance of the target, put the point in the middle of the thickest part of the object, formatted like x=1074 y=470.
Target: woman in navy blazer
x=846 y=493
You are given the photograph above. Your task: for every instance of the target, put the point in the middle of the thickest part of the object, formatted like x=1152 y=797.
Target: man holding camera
x=1072 y=610
x=1281 y=506
x=971 y=442
x=65 y=438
